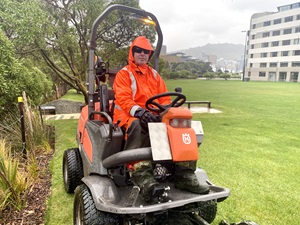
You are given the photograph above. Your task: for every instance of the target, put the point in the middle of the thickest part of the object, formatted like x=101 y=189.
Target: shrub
x=13 y=181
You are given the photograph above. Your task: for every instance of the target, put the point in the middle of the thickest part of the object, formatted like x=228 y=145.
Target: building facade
x=273 y=45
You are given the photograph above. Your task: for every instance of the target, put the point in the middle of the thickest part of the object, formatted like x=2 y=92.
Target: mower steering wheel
x=178 y=101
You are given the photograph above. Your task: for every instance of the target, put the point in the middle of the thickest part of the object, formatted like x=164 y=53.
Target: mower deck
x=126 y=202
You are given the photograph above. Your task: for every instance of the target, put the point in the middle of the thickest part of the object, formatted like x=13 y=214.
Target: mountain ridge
x=227 y=51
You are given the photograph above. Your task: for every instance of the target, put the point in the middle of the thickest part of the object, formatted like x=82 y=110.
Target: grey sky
x=193 y=23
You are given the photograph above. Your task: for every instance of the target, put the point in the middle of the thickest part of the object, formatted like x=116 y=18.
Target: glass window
x=253 y=26
x=287 y=31
x=278 y=21
x=273 y=54
x=262 y=74
x=251 y=56
x=288 y=19
x=297 y=41
x=296 y=5
x=284 y=64
x=282 y=76
x=298 y=17
x=253 y=36
x=266 y=34
x=275 y=43
x=251 y=65
x=294 y=76
x=296 y=52
x=263 y=55
x=286 y=42
x=296 y=64
x=267 y=23
x=264 y=45
x=273 y=64
x=284 y=8
x=263 y=65
x=276 y=32
x=252 y=46
x=297 y=29
x=272 y=76
x=284 y=53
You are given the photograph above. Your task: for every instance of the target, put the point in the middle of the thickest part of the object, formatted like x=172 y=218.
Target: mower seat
x=106 y=99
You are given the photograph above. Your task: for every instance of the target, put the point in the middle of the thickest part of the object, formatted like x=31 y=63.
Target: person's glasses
x=140 y=50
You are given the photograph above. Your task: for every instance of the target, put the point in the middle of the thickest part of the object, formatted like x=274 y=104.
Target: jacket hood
x=141 y=42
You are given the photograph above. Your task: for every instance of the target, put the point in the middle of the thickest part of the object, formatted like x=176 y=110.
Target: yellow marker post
x=20 y=99
x=20 y=103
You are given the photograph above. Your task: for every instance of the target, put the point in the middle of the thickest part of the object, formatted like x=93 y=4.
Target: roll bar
x=93 y=45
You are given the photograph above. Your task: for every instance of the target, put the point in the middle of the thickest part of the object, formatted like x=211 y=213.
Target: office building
x=273 y=45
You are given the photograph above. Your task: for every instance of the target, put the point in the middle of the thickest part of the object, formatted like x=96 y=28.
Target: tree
x=187 y=70
x=16 y=76
x=59 y=33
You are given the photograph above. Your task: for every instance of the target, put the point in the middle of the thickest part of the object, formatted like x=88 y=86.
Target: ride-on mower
x=97 y=172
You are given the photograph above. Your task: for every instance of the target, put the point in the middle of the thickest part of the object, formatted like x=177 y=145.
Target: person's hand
x=146 y=117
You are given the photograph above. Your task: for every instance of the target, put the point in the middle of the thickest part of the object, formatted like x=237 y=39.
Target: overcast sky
x=192 y=23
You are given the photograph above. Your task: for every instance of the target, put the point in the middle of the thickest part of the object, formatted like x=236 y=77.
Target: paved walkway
x=76 y=115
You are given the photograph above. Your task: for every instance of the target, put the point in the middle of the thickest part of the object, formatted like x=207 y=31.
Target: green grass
x=60 y=204
x=253 y=148
x=72 y=95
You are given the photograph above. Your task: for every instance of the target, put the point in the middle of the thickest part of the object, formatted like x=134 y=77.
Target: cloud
x=193 y=23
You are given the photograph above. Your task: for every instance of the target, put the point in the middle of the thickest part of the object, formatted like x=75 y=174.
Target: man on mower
x=133 y=85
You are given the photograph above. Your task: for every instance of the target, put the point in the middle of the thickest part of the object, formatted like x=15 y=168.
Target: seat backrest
x=106 y=99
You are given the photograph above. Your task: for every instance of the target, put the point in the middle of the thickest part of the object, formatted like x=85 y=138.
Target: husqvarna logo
x=186 y=138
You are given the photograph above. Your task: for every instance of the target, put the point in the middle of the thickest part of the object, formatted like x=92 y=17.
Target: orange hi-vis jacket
x=134 y=84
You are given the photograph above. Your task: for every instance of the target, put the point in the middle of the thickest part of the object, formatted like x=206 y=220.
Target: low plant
x=13 y=181
x=19 y=167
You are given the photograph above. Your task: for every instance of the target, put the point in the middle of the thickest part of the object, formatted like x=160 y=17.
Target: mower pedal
x=132 y=197
x=160 y=194
x=158 y=191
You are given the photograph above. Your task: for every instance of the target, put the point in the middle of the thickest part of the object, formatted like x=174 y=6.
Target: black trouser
x=137 y=137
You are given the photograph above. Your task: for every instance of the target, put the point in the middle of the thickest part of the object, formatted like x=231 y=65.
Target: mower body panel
x=95 y=144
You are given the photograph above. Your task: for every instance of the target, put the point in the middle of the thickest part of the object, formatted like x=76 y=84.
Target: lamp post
x=245 y=50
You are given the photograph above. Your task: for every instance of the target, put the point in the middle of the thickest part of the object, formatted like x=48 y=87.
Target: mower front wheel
x=86 y=213
x=208 y=210
x=72 y=169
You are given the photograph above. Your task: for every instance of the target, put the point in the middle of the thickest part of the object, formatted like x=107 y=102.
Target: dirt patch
x=34 y=211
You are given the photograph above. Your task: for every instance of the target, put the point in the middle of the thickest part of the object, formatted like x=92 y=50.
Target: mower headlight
x=181 y=123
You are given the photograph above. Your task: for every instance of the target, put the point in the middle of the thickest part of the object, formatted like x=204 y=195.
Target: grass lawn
x=253 y=148
x=72 y=95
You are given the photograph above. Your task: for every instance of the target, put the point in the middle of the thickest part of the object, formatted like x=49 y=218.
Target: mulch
x=34 y=211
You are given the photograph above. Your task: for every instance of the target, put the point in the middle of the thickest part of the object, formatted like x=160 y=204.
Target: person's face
x=141 y=56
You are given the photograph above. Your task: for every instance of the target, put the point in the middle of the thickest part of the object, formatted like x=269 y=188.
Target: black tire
x=86 y=213
x=208 y=210
x=72 y=169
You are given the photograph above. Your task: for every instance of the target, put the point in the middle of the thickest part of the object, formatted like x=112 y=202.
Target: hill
x=225 y=50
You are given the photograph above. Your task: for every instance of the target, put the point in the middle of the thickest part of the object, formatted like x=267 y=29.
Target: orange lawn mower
x=96 y=170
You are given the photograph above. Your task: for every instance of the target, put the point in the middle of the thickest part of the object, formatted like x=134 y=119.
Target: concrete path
x=76 y=115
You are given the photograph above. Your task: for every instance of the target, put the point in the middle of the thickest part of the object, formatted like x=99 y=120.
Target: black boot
x=142 y=176
x=186 y=179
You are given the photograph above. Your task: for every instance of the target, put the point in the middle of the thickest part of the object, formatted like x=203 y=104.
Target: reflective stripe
x=133 y=84
x=133 y=109
x=118 y=107
x=154 y=73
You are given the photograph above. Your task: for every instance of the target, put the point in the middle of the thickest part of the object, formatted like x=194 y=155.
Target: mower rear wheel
x=86 y=213
x=72 y=169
